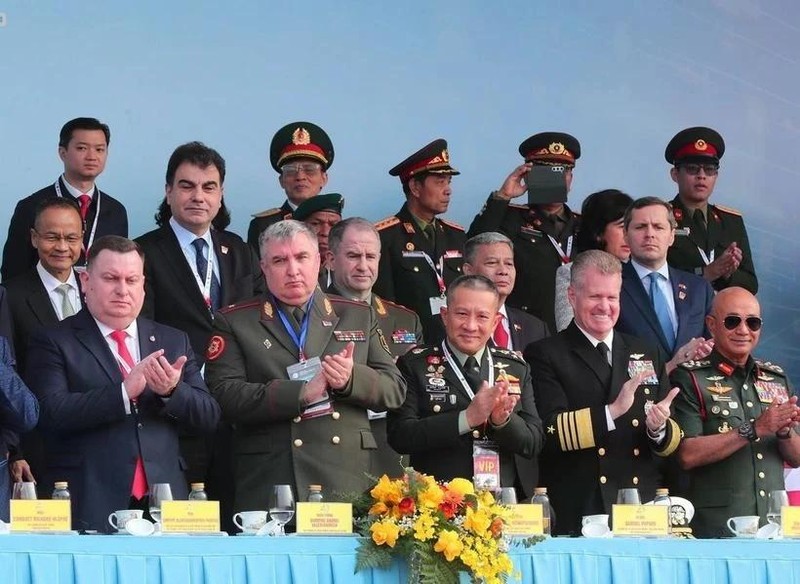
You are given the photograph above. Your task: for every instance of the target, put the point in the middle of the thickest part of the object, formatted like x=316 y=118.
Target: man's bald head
x=735 y=323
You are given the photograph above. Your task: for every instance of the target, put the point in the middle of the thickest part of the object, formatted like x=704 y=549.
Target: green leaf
x=369 y=555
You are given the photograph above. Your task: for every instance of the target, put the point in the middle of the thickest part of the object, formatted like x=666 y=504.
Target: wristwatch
x=748 y=432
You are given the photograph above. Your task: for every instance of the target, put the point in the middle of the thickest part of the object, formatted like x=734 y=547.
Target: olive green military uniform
x=717 y=397
x=246 y=370
x=263 y=220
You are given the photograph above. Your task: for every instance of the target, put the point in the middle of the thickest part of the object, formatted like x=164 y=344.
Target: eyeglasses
x=732 y=321
x=694 y=169
x=52 y=238
x=308 y=168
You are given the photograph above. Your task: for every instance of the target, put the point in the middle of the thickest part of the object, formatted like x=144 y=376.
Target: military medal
x=402 y=336
x=346 y=336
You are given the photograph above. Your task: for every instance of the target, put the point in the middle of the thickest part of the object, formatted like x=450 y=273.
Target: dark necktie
x=602 y=348
x=200 y=246
x=430 y=233
x=699 y=228
x=472 y=373
x=298 y=314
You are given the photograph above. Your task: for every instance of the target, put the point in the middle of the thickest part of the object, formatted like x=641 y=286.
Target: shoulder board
x=692 y=365
x=391 y=304
x=451 y=224
x=268 y=212
x=342 y=300
x=388 y=222
x=517 y=206
x=728 y=210
x=505 y=353
x=771 y=367
x=241 y=305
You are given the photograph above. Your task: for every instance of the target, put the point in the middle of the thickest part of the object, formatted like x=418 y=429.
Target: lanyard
x=707 y=258
x=96 y=215
x=561 y=253
x=205 y=287
x=457 y=370
x=300 y=340
x=438 y=269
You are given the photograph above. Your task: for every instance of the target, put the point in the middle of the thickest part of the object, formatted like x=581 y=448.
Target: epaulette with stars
x=388 y=222
x=771 y=367
x=268 y=212
x=507 y=354
x=692 y=365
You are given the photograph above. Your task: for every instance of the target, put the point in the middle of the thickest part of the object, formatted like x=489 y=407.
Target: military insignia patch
x=328 y=307
x=380 y=307
x=268 y=311
x=417 y=351
x=216 y=346
x=409 y=228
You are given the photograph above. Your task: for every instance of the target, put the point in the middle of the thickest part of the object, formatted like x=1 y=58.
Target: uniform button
x=744 y=386
x=601 y=451
x=725 y=412
x=762 y=493
x=636 y=452
x=635 y=480
x=297 y=420
x=749 y=404
x=647 y=391
x=437 y=408
x=335 y=440
x=416 y=269
x=761 y=475
x=298 y=443
x=760 y=456
x=603 y=480
x=139 y=425
x=336 y=415
x=476 y=434
x=635 y=423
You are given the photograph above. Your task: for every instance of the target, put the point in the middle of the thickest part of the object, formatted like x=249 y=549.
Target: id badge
x=486 y=465
x=437 y=302
x=637 y=366
x=305 y=371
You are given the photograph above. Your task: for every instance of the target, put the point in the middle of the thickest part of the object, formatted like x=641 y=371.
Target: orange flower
x=496 y=527
x=406 y=506
x=385 y=533
x=448 y=508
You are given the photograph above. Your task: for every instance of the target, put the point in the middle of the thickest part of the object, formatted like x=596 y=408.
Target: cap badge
x=445 y=156
x=556 y=148
x=700 y=145
x=301 y=137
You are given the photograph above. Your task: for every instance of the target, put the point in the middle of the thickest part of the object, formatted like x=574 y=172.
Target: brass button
x=601 y=451
x=297 y=420
x=336 y=415
x=416 y=269
x=761 y=475
x=760 y=456
x=744 y=386
x=647 y=391
x=635 y=480
x=476 y=434
x=437 y=408
x=298 y=443
x=762 y=493
x=749 y=404
x=636 y=452
x=335 y=440
x=635 y=423
x=603 y=480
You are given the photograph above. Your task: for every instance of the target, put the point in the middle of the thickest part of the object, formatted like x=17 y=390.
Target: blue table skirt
x=43 y=559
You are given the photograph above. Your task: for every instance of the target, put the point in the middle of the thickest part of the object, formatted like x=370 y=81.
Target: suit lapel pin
x=152 y=338
x=517 y=327
x=267 y=343
x=223 y=249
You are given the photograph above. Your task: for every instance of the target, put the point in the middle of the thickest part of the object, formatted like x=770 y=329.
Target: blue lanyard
x=299 y=341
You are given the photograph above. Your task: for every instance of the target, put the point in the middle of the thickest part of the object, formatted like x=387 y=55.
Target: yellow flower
x=486 y=498
x=387 y=491
x=385 y=532
x=431 y=495
x=477 y=521
x=423 y=527
x=378 y=508
x=461 y=487
x=449 y=545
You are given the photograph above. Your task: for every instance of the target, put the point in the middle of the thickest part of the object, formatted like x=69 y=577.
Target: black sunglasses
x=734 y=320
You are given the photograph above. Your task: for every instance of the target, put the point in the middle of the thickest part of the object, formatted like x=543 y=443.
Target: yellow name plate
x=640 y=520
x=190 y=516
x=324 y=518
x=790 y=521
x=40 y=515
x=525 y=520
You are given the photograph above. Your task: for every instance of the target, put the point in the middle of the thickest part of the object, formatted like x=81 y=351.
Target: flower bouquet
x=439 y=528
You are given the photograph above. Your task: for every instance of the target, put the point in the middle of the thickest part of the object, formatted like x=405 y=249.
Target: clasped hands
x=658 y=414
x=492 y=403
x=334 y=374
x=778 y=418
x=156 y=372
x=726 y=264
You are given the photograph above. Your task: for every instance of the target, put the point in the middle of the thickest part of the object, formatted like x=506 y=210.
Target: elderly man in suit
x=604 y=399
x=113 y=389
x=83 y=148
x=659 y=304
x=469 y=403
x=296 y=371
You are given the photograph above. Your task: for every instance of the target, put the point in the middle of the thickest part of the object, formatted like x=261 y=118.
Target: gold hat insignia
x=700 y=145
x=556 y=148
x=301 y=137
x=445 y=156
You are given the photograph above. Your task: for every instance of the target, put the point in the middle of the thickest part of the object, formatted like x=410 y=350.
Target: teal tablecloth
x=41 y=559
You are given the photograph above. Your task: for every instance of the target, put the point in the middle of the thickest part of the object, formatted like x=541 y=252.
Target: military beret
x=433 y=158
x=300 y=140
x=551 y=148
x=327 y=202
x=697 y=144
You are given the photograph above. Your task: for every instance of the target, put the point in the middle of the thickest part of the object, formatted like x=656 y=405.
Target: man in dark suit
x=543 y=234
x=113 y=388
x=301 y=153
x=711 y=239
x=82 y=147
x=296 y=371
x=421 y=253
x=598 y=393
x=659 y=304
x=464 y=395
x=354 y=253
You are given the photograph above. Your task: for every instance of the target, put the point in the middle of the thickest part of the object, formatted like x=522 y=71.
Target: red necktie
x=84 y=201
x=500 y=336
x=139 y=487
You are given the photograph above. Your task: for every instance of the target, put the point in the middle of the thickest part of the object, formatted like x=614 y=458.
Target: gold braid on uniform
x=575 y=430
x=674 y=434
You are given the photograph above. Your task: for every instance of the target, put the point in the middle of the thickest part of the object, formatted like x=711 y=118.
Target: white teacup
x=595 y=529
x=744 y=525
x=598 y=519
x=250 y=521
x=119 y=519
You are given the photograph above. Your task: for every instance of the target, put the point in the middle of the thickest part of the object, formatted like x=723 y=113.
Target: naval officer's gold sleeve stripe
x=573 y=432
x=674 y=439
x=563 y=438
x=583 y=425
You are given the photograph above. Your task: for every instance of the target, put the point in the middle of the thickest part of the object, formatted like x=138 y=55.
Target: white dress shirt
x=50 y=283
x=131 y=342
x=664 y=285
x=185 y=239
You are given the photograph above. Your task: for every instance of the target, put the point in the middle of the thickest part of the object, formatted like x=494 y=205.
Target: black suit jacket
x=19 y=254
x=172 y=295
x=692 y=295
x=583 y=463
x=91 y=441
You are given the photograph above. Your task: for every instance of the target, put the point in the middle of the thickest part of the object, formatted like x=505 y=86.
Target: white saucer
x=596 y=530
x=139 y=527
x=768 y=531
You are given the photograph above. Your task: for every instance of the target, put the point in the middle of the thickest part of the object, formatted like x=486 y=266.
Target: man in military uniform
x=321 y=213
x=469 y=409
x=543 y=235
x=739 y=417
x=301 y=153
x=295 y=371
x=355 y=249
x=711 y=240
x=598 y=393
x=421 y=253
